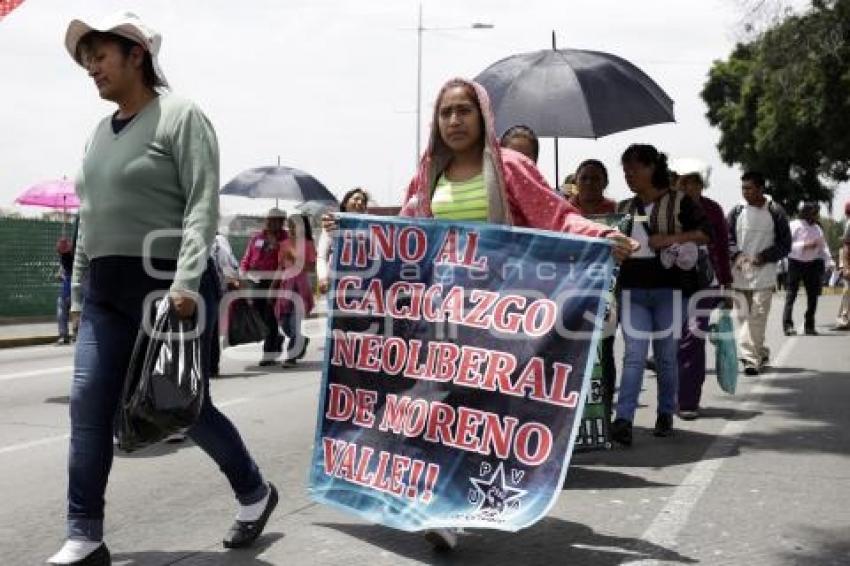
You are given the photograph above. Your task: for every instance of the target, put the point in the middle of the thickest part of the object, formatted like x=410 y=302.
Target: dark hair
x=754 y=177
x=648 y=155
x=809 y=206
x=89 y=40
x=522 y=131
x=347 y=197
x=308 y=232
x=594 y=163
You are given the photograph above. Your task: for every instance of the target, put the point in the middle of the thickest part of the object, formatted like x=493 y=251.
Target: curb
x=20 y=341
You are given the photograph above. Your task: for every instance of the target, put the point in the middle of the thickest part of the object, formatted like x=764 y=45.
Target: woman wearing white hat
x=693 y=178
x=148 y=189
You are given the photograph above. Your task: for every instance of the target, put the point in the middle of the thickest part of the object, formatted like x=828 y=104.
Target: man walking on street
x=759 y=236
x=806 y=265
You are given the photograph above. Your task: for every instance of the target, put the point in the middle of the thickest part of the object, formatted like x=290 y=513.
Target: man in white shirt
x=806 y=265
x=759 y=236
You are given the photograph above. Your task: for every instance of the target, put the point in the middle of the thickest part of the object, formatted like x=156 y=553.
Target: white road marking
x=35 y=372
x=674 y=516
x=33 y=444
x=52 y=439
x=230 y=403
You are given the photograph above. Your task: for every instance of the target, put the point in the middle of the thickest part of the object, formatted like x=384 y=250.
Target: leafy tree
x=781 y=103
x=834 y=232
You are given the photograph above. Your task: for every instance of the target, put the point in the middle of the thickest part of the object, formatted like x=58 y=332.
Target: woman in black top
x=669 y=226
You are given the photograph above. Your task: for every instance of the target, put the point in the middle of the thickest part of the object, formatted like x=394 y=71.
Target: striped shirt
x=460 y=200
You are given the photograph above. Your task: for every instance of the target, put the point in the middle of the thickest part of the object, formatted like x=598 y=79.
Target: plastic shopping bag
x=244 y=323
x=722 y=335
x=164 y=386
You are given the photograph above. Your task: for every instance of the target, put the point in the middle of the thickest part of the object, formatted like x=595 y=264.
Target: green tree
x=834 y=232
x=781 y=103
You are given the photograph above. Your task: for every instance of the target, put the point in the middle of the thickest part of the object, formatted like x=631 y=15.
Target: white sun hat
x=125 y=24
x=692 y=166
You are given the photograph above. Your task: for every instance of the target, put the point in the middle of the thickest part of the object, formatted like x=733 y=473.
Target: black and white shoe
x=689 y=414
x=68 y=556
x=244 y=533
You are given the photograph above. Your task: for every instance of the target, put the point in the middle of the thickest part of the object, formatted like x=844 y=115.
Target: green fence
x=28 y=266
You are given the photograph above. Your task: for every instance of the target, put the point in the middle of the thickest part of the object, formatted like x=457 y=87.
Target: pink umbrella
x=58 y=194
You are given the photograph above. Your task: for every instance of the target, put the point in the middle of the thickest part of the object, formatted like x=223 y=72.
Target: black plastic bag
x=164 y=386
x=244 y=324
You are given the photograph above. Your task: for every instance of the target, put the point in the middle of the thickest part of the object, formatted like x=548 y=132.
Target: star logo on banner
x=494 y=496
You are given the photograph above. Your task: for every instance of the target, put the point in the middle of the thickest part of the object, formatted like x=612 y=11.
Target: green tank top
x=464 y=200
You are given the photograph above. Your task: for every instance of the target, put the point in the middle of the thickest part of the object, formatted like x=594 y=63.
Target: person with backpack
x=759 y=236
x=654 y=284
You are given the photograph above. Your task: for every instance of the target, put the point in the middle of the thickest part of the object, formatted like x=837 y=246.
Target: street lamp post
x=419 y=31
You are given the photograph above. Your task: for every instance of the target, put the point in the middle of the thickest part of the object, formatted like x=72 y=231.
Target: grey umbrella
x=573 y=93
x=282 y=183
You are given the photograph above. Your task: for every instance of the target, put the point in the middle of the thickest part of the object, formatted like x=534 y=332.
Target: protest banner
x=456 y=366
x=594 y=430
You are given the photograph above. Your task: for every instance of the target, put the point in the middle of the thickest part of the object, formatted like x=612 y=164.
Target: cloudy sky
x=329 y=86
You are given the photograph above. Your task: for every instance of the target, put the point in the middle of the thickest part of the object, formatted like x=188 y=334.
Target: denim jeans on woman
x=650 y=316
x=115 y=291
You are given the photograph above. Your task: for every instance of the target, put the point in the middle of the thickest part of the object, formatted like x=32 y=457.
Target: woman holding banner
x=465 y=175
x=355 y=201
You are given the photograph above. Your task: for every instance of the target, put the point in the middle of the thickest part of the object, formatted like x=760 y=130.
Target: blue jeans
x=290 y=324
x=111 y=318
x=650 y=315
x=63 y=312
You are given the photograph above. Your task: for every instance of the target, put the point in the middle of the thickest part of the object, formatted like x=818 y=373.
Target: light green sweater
x=159 y=173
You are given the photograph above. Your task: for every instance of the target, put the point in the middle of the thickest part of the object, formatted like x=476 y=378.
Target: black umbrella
x=573 y=93
x=280 y=183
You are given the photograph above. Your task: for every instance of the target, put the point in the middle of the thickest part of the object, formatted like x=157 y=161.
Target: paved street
x=763 y=478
